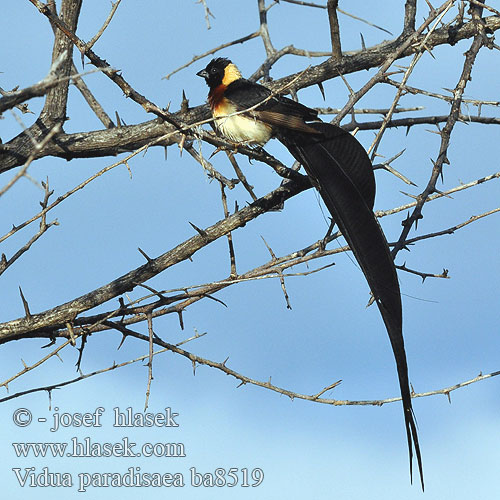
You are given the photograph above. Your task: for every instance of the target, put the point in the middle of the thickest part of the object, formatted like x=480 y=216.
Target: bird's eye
x=213 y=71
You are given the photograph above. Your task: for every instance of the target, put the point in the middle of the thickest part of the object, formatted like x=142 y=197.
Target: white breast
x=240 y=128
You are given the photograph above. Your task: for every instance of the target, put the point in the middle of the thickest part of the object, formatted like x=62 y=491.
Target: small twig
x=21 y=107
x=232 y=258
x=450 y=230
x=461 y=187
x=326 y=389
x=280 y=274
x=207 y=13
x=322 y=6
x=387 y=166
x=465 y=100
x=44 y=227
x=423 y=120
x=368 y=111
x=240 y=174
x=150 y=360
x=91 y=100
x=423 y=275
x=243 y=39
x=96 y=37
x=37 y=149
x=209 y=168
x=28 y=368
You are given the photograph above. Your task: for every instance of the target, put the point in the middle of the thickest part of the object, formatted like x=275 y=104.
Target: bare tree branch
x=334 y=29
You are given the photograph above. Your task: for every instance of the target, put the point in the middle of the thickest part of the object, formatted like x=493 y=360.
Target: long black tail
x=342 y=172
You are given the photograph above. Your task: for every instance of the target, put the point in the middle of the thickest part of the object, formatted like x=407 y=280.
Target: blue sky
x=306 y=450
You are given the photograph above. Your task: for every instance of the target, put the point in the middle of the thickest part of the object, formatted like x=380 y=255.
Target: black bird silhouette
x=341 y=171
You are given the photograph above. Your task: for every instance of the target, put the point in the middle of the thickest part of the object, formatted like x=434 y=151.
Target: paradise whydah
x=339 y=168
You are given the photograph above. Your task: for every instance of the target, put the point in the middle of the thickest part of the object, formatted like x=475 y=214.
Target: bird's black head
x=219 y=71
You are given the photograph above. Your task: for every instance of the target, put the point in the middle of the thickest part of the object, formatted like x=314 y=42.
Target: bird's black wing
x=275 y=110
x=334 y=164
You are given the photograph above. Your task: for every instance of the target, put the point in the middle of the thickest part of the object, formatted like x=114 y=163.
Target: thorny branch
x=244 y=380
x=470 y=56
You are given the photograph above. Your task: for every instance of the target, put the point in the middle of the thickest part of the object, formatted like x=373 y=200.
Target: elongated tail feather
x=343 y=174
